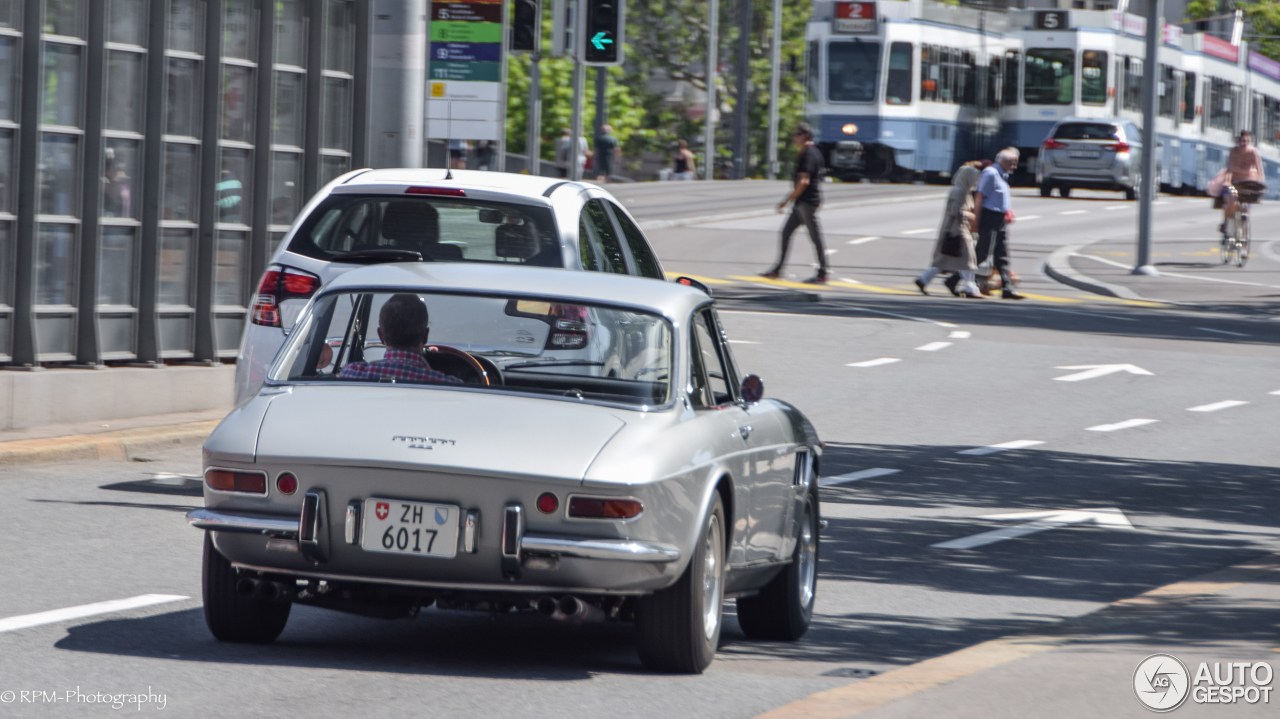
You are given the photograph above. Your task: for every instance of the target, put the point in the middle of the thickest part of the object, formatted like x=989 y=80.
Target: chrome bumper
x=618 y=550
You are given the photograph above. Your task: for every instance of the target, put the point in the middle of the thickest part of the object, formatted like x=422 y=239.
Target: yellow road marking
x=1123 y=301
x=700 y=278
x=1047 y=298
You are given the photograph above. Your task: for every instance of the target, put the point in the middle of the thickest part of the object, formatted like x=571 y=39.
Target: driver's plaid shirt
x=401 y=365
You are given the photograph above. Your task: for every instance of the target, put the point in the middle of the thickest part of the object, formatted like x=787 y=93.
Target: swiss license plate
x=1084 y=154
x=396 y=526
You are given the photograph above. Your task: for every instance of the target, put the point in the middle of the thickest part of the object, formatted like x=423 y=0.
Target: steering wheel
x=454 y=358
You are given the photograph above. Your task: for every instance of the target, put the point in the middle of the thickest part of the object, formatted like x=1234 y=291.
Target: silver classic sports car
x=513 y=439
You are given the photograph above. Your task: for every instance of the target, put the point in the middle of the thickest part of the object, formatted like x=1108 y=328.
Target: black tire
x=1132 y=193
x=672 y=633
x=233 y=617
x=783 y=609
x=1064 y=191
x=1045 y=189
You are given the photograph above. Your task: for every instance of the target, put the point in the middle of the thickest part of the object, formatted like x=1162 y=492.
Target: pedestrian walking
x=954 y=251
x=683 y=167
x=994 y=200
x=804 y=201
x=562 y=151
x=608 y=152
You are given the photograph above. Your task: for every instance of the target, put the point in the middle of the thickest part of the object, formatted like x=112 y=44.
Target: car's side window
x=699 y=397
x=603 y=238
x=711 y=358
x=734 y=376
x=646 y=264
x=586 y=246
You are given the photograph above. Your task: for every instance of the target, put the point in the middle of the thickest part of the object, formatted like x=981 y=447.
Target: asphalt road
x=913 y=394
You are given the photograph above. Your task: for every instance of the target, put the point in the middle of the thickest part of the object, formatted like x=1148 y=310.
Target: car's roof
x=667 y=298
x=527 y=185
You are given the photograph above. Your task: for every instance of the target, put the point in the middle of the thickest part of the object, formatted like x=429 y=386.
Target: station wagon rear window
x=1085 y=131
x=523 y=345
x=448 y=229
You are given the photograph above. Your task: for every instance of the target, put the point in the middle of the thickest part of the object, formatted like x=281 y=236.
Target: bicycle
x=1237 y=235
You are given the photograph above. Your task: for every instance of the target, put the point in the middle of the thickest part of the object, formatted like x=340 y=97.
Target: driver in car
x=402 y=327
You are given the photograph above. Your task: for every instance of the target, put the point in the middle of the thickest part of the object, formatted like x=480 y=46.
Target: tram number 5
x=1051 y=19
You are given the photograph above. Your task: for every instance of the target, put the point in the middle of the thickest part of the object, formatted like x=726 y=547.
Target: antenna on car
x=448 y=174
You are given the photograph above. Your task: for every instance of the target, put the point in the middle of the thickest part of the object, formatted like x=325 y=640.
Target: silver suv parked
x=1093 y=154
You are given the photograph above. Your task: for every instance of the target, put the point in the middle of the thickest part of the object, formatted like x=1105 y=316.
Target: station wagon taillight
x=278 y=284
x=226 y=480
x=603 y=508
x=1117 y=147
x=1052 y=144
x=568 y=327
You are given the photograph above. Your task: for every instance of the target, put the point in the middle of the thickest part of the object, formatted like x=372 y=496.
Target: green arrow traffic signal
x=600 y=40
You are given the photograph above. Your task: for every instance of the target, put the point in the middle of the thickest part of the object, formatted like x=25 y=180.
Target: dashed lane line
x=939 y=323
x=934 y=346
x=1127 y=424
x=864 y=240
x=916 y=232
x=86 y=610
x=1073 y=212
x=1024 y=218
x=1002 y=447
x=960 y=335
x=1118 y=207
x=856 y=476
x=742 y=342
x=1223 y=332
x=1276 y=392
x=874 y=362
x=1090 y=314
x=1225 y=404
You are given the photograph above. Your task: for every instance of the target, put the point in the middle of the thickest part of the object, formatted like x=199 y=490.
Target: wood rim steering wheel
x=465 y=357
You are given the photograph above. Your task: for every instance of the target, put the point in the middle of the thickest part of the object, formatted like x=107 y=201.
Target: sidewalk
x=1191 y=273
x=119 y=440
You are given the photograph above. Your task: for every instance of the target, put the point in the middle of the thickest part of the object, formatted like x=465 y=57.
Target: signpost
x=466 y=97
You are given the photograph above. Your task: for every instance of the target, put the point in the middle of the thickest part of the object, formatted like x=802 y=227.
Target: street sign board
x=464 y=95
x=854 y=18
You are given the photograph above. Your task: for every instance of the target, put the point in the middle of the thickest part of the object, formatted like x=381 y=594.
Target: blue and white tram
x=912 y=93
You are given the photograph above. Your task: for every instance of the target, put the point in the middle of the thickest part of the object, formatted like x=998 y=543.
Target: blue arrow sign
x=600 y=40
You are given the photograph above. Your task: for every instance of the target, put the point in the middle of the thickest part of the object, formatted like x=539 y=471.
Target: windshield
x=522 y=345
x=1085 y=131
x=451 y=229
x=1049 y=77
x=853 y=71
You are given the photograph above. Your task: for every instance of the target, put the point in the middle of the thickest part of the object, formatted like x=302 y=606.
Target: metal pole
x=602 y=115
x=398 y=83
x=1155 y=23
x=741 y=109
x=713 y=42
x=579 y=80
x=533 y=139
x=775 y=78
x=500 y=158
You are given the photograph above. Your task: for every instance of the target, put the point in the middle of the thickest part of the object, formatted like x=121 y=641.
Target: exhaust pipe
x=274 y=592
x=548 y=607
x=247 y=587
x=576 y=610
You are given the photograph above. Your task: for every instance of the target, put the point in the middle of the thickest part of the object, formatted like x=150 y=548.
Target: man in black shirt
x=804 y=201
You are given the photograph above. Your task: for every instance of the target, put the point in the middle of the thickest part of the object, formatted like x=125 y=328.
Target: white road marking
x=934 y=346
x=1073 y=212
x=1222 y=332
x=916 y=232
x=1276 y=392
x=960 y=335
x=1128 y=423
x=742 y=342
x=832 y=252
x=863 y=240
x=1002 y=447
x=86 y=610
x=1109 y=517
x=1118 y=207
x=855 y=476
x=1160 y=202
x=1088 y=314
x=874 y=362
x=939 y=323
x=1092 y=371
x=1113 y=263
x=1024 y=218
x=1225 y=404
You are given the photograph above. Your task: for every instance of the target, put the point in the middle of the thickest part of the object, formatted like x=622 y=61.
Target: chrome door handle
x=745 y=431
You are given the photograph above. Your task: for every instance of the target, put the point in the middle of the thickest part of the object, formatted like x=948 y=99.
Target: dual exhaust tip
x=264 y=590
x=567 y=608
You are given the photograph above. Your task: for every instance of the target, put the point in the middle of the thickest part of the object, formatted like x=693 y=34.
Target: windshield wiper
x=554 y=363
x=372 y=257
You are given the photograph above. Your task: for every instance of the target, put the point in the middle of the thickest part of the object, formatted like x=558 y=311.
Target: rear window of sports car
x=510 y=344
x=449 y=229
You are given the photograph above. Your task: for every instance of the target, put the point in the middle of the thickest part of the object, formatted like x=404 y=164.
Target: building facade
x=152 y=155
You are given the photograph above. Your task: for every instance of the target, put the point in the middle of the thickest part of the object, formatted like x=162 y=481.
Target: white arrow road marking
x=1128 y=423
x=1003 y=447
x=855 y=476
x=1099 y=370
x=1041 y=521
x=86 y=610
x=934 y=346
x=1226 y=404
x=874 y=362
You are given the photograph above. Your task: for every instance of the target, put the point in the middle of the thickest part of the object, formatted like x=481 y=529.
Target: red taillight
x=1052 y=144
x=277 y=285
x=287 y=483
x=547 y=503
x=441 y=191
x=568 y=327
x=601 y=508
x=225 y=480
x=1117 y=147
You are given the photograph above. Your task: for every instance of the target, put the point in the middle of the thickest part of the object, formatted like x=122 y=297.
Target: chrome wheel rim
x=808 y=560
x=711 y=588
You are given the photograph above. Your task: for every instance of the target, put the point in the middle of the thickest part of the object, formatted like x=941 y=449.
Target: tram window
x=1049 y=77
x=1222 y=103
x=812 y=78
x=993 y=81
x=1093 y=77
x=1189 y=97
x=1011 y=78
x=898 y=86
x=969 y=78
x=928 y=73
x=1133 y=84
x=1168 y=92
x=853 y=71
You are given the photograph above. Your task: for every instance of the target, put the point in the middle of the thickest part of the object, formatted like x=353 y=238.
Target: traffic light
x=602 y=32
x=526 y=18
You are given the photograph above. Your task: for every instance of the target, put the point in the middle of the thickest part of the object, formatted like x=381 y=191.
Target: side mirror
x=752 y=389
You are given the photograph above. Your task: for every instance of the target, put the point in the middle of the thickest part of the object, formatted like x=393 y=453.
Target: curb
x=120 y=445
x=1058 y=267
x=749 y=214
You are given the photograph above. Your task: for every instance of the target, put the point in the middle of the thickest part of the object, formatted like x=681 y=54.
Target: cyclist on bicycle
x=1244 y=163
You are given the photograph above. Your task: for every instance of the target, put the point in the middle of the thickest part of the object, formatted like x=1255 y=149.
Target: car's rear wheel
x=1045 y=189
x=678 y=628
x=784 y=608
x=232 y=616
x=1064 y=191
